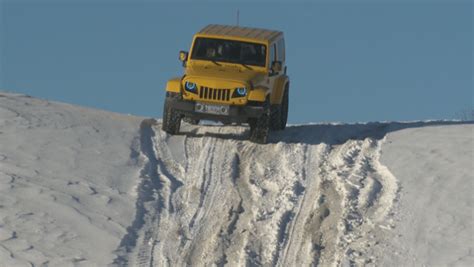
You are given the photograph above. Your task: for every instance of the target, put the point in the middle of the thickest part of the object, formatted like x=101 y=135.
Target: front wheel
x=171 y=119
x=259 y=127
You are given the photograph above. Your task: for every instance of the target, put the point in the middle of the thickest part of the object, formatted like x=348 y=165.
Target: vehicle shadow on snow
x=313 y=134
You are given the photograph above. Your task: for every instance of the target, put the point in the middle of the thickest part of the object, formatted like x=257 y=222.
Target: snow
x=435 y=214
x=66 y=182
x=84 y=187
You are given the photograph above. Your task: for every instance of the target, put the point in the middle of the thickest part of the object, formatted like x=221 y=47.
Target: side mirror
x=276 y=66
x=183 y=56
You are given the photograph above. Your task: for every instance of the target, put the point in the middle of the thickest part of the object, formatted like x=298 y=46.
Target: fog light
x=198 y=107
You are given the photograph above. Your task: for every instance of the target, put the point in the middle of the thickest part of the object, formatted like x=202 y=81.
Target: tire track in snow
x=276 y=184
x=209 y=226
x=205 y=181
x=236 y=203
x=355 y=168
x=204 y=168
x=289 y=218
x=159 y=170
x=207 y=190
x=303 y=246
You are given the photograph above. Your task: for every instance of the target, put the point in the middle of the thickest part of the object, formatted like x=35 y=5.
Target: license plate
x=212 y=109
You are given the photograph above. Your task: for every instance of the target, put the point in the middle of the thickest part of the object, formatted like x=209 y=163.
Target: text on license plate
x=212 y=109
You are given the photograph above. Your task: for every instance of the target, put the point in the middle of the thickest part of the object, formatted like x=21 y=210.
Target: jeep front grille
x=214 y=94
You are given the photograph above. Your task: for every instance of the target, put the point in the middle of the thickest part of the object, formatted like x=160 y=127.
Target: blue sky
x=349 y=61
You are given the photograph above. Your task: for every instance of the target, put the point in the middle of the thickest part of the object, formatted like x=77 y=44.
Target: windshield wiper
x=215 y=62
x=246 y=66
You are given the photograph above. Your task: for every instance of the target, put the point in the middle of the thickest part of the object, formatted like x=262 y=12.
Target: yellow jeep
x=232 y=75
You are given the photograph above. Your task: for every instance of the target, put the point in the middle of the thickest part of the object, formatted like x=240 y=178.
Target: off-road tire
x=171 y=118
x=260 y=127
x=279 y=113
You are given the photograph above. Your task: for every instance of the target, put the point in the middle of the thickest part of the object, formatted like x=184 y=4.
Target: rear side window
x=281 y=50
x=272 y=53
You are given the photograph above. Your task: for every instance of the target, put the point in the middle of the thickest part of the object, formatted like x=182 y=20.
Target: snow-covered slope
x=434 y=217
x=85 y=187
x=67 y=177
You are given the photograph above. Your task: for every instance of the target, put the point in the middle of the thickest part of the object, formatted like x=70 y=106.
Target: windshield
x=229 y=51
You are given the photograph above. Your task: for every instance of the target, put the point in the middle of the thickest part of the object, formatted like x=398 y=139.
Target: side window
x=281 y=50
x=272 y=53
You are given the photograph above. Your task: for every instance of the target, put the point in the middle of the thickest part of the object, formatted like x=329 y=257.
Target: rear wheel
x=171 y=118
x=284 y=107
x=279 y=113
x=259 y=127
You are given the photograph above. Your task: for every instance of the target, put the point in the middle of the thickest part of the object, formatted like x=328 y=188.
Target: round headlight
x=190 y=86
x=242 y=91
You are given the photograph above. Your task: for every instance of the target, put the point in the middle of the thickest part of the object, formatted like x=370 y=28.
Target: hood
x=225 y=72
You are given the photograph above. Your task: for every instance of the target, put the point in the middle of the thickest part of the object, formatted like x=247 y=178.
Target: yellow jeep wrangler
x=232 y=75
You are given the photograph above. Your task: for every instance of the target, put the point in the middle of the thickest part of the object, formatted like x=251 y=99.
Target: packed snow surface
x=83 y=187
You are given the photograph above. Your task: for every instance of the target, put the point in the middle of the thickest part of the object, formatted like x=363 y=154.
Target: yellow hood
x=230 y=73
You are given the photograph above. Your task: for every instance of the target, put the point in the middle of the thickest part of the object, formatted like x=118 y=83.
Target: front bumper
x=237 y=114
